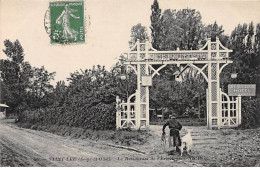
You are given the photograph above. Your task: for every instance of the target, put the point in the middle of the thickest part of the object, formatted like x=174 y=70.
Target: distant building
x=3 y=110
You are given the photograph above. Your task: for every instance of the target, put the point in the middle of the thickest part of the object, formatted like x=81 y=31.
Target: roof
x=3 y=105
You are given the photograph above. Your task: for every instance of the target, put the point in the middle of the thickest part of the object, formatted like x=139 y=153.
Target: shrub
x=250 y=113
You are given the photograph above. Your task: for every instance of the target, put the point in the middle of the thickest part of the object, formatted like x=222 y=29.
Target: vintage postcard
x=119 y=83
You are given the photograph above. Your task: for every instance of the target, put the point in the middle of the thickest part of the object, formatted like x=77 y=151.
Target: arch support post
x=143 y=91
x=214 y=91
x=147 y=122
x=213 y=87
x=138 y=96
x=214 y=99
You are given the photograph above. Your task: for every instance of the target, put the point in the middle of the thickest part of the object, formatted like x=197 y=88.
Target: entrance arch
x=209 y=61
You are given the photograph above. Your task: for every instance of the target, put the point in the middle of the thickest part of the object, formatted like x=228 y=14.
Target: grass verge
x=120 y=137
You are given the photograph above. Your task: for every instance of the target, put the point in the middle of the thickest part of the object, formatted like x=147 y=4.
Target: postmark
x=65 y=22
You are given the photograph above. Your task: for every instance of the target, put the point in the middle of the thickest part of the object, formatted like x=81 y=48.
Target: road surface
x=226 y=147
x=26 y=147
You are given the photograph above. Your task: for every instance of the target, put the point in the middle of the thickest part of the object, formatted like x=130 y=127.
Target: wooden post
x=218 y=84
x=239 y=110
x=117 y=113
x=147 y=88
x=138 y=91
x=209 y=104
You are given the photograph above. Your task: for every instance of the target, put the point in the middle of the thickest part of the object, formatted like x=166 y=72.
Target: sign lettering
x=241 y=89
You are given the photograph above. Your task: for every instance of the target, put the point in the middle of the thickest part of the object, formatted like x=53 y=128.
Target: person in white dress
x=63 y=19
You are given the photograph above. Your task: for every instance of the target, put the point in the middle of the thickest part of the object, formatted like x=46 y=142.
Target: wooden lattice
x=209 y=61
x=214 y=94
x=214 y=109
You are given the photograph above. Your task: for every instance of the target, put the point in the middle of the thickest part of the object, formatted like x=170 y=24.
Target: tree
x=14 y=51
x=5 y=94
x=138 y=32
x=59 y=94
x=178 y=96
x=171 y=32
x=156 y=25
x=16 y=75
x=40 y=86
x=190 y=22
x=246 y=63
x=25 y=86
x=214 y=30
x=256 y=45
x=249 y=38
x=245 y=54
x=182 y=28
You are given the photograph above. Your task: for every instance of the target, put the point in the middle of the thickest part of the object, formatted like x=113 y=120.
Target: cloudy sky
x=109 y=31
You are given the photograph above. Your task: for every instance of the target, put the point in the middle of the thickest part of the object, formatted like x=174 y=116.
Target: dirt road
x=225 y=147
x=25 y=147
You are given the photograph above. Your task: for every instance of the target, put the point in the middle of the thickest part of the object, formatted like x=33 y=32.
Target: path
x=226 y=147
x=25 y=147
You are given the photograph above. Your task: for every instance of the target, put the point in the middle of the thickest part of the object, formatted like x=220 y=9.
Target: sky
x=109 y=30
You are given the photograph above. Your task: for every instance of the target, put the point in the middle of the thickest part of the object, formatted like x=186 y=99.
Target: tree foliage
x=88 y=101
x=24 y=85
x=181 y=29
x=156 y=31
x=244 y=41
x=15 y=74
x=138 y=32
x=246 y=57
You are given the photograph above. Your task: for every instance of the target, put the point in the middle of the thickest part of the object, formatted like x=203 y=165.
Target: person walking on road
x=174 y=127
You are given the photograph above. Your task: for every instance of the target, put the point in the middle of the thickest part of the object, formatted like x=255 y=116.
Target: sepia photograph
x=129 y=83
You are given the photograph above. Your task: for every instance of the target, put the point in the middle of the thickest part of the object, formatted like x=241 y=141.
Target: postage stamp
x=66 y=22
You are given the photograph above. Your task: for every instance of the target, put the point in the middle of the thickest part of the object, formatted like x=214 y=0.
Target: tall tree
x=156 y=25
x=256 y=46
x=16 y=75
x=249 y=38
x=244 y=55
x=257 y=39
x=25 y=86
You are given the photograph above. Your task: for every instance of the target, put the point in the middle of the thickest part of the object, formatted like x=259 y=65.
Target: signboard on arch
x=242 y=89
x=146 y=80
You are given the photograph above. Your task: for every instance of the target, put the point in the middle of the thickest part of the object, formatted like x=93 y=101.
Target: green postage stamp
x=67 y=22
